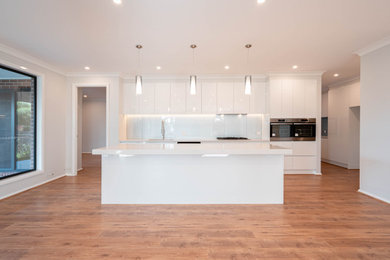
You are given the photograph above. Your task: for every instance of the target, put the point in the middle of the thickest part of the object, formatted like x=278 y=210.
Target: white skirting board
x=374 y=196
x=29 y=187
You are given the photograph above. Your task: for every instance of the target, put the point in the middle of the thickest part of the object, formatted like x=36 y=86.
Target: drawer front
x=288 y=163
x=288 y=145
x=304 y=148
x=304 y=163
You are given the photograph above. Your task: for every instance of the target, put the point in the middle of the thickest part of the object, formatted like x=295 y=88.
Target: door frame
x=75 y=88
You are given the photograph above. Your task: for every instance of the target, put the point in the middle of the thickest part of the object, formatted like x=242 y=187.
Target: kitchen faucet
x=163 y=129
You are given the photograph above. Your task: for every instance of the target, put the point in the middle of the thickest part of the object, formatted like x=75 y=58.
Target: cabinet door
x=178 y=97
x=304 y=163
x=311 y=98
x=225 y=97
x=209 y=98
x=288 y=162
x=258 y=98
x=130 y=99
x=304 y=148
x=241 y=101
x=162 y=97
x=194 y=102
x=287 y=91
x=147 y=99
x=299 y=99
x=276 y=98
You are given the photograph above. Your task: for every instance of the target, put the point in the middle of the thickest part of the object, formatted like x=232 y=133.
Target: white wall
x=354 y=138
x=375 y=124
x=52 y=109
x=340 y=99
x=93 y=124
x=324 y=104
x=324 y=113
x=79 y=128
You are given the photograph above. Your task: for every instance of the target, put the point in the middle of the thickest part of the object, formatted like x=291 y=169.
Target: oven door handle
x=304 y=123
x=281 y=124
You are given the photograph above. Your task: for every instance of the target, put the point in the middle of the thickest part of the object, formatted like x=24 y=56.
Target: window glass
x=17 y=122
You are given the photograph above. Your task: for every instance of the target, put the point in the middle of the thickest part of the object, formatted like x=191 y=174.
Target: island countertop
x=222 y=149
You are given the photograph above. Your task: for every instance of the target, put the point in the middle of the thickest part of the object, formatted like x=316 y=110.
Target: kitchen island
x=206 y=173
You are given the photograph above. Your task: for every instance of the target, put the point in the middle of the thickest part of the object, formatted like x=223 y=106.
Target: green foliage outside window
x=23 y=110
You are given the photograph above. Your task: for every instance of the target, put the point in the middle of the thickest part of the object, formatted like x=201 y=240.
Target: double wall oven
x=293 y=129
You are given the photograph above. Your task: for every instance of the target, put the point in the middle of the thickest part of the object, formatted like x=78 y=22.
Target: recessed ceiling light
x=260 y=1
x=336 y=75
x=118 y=2
x=85 y=96
x=227 y=67
x=158 y=68
x=295 y=67
x=23 y=68
x=87 y=68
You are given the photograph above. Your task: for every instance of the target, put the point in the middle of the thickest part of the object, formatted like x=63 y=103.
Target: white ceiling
x=317 y=35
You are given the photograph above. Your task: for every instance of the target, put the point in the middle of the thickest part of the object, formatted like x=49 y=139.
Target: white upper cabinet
x=311 y=100
x=130 y=99
x=298 y=99
x=225 y=97
x=209 y=98
x=293 y=98
x=287 y=101
x=275 y=105
x=178 y=97
x=258 y=98
x=162 y=98
x=194 y=102
x=241 y=101
x=147 y=98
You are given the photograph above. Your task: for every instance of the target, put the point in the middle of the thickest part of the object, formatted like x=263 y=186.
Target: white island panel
x=192 y=179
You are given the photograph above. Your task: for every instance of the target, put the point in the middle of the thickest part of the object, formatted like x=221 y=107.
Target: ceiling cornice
x=86 y=75
x=344 y=82
x=30 y=59
x=373 y=47
x=297 y=74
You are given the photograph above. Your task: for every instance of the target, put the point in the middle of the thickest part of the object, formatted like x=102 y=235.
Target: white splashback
x=253 y=126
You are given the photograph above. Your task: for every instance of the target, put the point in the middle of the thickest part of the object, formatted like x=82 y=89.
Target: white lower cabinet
x=303 y=158
x=304 y=163
x=288 y=162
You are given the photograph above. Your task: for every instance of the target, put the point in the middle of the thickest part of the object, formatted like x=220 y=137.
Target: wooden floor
x=323 y=218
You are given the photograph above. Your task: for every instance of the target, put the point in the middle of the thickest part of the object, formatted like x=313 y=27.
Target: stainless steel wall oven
x=293 y=129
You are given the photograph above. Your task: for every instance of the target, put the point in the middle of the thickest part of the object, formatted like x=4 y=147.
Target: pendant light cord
x=139 y=61
x=193 y=60
x=247 y=60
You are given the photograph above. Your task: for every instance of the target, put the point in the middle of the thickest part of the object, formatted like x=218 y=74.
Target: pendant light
x=138 y=78
x=248 y=78
x=193 y=77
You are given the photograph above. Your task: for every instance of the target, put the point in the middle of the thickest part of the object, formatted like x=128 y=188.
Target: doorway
x=354 y=138
x=90 y=123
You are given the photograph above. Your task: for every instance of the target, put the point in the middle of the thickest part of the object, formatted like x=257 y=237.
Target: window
x=17 y=122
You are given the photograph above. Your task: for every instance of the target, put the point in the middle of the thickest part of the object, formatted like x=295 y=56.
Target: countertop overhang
x=204 y=149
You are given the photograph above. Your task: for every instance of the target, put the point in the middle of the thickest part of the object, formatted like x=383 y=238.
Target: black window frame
x=34 y=77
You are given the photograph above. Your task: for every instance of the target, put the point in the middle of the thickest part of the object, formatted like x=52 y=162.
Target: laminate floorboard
x=324 y=217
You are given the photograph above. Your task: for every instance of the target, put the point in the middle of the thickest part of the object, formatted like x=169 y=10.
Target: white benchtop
x=241 y=148
x=131 y=141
